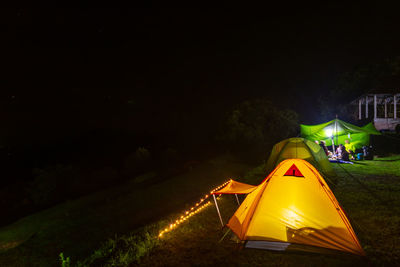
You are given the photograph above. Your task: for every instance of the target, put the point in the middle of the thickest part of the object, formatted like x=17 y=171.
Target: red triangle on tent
x=293 y=171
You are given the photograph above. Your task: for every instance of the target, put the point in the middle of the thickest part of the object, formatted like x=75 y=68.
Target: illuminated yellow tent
x=293 y=208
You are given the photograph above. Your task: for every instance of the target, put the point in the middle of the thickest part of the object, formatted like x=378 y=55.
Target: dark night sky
x=65 y=70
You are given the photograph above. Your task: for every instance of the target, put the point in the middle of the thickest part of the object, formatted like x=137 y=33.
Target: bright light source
x=328 y=132
x=193 y=210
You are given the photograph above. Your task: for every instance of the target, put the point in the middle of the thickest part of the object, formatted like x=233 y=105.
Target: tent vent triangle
x=294 y=171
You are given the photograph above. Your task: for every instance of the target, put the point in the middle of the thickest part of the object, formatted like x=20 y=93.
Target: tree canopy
x=255 y=126
x=382 y=76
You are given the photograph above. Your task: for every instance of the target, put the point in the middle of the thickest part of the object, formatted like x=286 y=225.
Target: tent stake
x=237 y=199
x=219 y=214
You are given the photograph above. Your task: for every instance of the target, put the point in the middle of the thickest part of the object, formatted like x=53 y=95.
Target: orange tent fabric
x=234 y=187
x=294 y=205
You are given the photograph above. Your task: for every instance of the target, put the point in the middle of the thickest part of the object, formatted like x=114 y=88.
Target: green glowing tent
x=339 y=131
x=300 y=148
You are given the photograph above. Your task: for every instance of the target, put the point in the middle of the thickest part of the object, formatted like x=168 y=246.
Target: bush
x=102 y=177
x=138 y=161
x=255 y=126
x=52 y=184
x=168 y=157
x=142 y=154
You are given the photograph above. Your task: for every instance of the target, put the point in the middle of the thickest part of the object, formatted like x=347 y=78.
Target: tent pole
x=219 y=214
x=337 y=141
x=333 y=137
x=237 y=199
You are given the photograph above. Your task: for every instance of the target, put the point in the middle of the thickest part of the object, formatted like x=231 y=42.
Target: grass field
x=369 y=191
x=78 y=227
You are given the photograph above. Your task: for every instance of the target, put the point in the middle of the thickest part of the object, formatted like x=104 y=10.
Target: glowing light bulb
x=193 y=211
x=328 y=132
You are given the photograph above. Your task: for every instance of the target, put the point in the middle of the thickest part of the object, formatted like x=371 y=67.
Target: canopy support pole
x=237 y=199
x=333 y=138
x=337 y=141
x=219 y=214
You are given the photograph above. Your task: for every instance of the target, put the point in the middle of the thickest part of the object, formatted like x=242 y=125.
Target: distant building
x=383 y=108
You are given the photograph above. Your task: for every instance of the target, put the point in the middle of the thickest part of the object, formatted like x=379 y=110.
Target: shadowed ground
x=77 y=227
x=369 y=192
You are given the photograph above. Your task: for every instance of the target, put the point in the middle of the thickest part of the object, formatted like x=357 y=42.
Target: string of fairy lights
x=199 y=206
